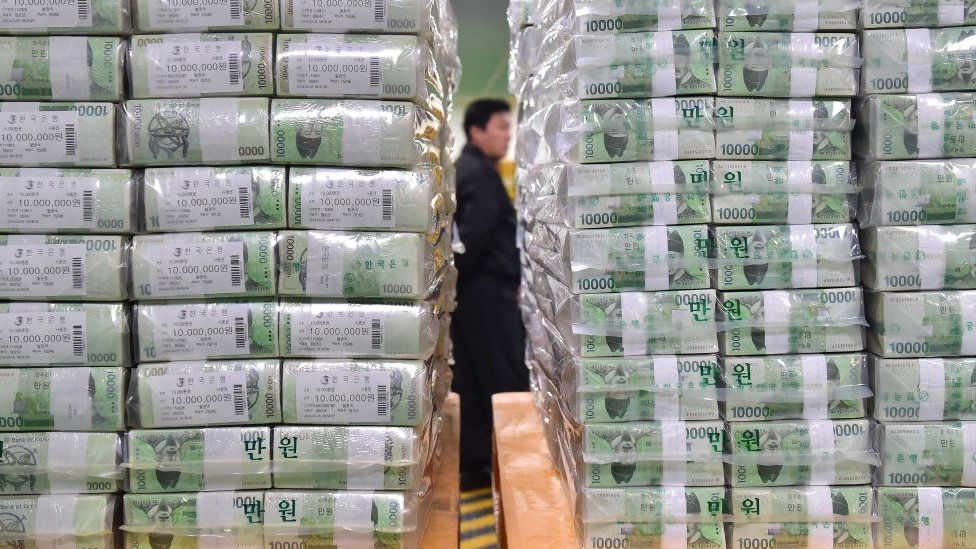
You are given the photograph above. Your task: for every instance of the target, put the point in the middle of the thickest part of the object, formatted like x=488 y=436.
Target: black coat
x=486 y=221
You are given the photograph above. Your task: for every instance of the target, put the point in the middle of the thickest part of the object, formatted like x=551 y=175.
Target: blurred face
x=494 y=137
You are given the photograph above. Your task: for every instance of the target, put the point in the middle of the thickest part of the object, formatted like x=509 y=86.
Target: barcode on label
x=235 y=9
x=244 y=199
x=88 y=205
x=240 y=332
x=70 y=142
x=240 y=400
x=382 y=400
x=77 y=340
x=374 y=72
x=234 y=65
x=83 y=10
x=376 y=331
x=379 y=11
x=236 y=274
x=77 y=274
x=387 y=204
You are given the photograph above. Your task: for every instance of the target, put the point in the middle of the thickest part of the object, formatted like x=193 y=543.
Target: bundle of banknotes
x=927 y=125
x=919 y=60
x=930 y=192
x=922 y=324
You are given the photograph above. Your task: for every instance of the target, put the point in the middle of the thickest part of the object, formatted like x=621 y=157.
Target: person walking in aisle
x=489 y=354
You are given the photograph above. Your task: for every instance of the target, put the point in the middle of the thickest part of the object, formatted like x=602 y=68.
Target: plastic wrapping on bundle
x=386 y=200
x=324 y=518
x=804 y=452
x=199 y=131
x=75 y=135
x=193 y=459
x=353 y=458
x=64 y=334
x=349 y=132
x=201 y=65
x=68 y=267
x=809 y=386
x=926 y=454
x=61 y=463
x=48 y=399
x=913 y=13
x=787 y=15
x=320 y=329
x=77 y=17
x=926 y=257
x=929 y=515
x=749 y=192
x=65 y=519
x=924 y=389
x=922 y=324
x=67 y=200
x=361 y=264
x=619 y=130
x=213 y=198
x=204 y=393
x=787 y=64
x=785 y=256
x=820 y=516
x=203 y=265
x=919 y=60
x=928 y=125
x=930 y=192
x=783 y=129
x=624 y=259
x=364 y=66
x=633 y=65
x=618 y=195
x=61 y=68
x=221 y=15
x=193 y=330
x=192 y=519
x=828 y=320
x=356 y=392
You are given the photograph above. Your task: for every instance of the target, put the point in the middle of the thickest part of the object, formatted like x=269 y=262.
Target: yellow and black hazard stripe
x=478 y=520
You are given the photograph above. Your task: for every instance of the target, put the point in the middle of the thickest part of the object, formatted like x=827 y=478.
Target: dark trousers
x=489 y=358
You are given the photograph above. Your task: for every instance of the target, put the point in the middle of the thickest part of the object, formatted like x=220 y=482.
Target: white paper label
x=799 y=209
x=951 y=13
x=42 y=14
x=336 y=204
x=178 y=14
x=325 y=266
x=815 y=386
x=932 y=263
x=223 y=460
x=366 y=453
x=202 y=398
x=197 y=331
x=218 y=129
x=70 y=78
x=67 y=456
x=803 y=79
x=929 y=517
x=776 y=310
x=201 y=201
x=41 y=337
x=343 y=333
x=675 y=534
x=40 y=203
x=918 y=49
x=968 y=447
x=674 y=470
x=801 y=145
x=666 y=210
x=331 y=65
x=806 y=15
x=343 y=396
x=29 y=268
x=195 y=68
x=931 y=389
x=71 y=407
x=362 y=140
x=931 y=125
x=823 y=452
x=656 y=264
x=55 y=515
x=360 y=15
x=967 y=308
x=633 y=305
x=218 y=508
x=179 y=270
x=820 y=508
x=667 y=404
x=38 y=137
x=804 y=244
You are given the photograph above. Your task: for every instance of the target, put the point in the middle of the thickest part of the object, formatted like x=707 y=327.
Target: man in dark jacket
x=487 y=327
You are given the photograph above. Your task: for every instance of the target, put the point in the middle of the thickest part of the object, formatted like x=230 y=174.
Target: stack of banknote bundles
x=786 y=263
x=919 y=248
x=614 y=173
x=66 y=213
x=206 y=386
